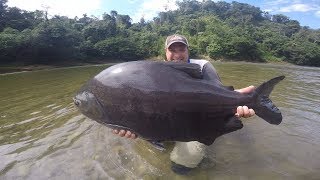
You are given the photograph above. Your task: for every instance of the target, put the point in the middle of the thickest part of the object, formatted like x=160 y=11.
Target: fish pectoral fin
x=231 y=125
x=157 y=144
x=194 y=70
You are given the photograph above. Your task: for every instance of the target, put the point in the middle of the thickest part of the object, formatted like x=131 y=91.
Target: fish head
x=89 y=105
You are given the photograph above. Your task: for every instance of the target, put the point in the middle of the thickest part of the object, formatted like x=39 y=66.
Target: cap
x=175 y=38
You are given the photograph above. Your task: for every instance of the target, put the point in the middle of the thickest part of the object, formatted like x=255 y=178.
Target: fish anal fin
x=233 y=124
x=207 y=141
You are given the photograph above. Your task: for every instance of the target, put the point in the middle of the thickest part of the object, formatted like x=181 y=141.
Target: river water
x=43 y=136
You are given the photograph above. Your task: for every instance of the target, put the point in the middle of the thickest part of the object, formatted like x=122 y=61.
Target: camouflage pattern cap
x=174 y=39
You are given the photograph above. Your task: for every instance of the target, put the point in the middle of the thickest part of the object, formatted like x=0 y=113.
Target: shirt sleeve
x=208 y=71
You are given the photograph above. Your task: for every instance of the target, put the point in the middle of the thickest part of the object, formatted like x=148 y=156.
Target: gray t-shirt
x=200 y=62
x=208 y=71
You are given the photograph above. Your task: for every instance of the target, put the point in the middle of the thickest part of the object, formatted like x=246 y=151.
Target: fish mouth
x=88 y=105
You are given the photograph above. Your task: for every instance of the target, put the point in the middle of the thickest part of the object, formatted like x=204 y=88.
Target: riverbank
x=35 y=67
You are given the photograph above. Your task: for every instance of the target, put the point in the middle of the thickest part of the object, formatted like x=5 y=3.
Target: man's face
x=177 y=52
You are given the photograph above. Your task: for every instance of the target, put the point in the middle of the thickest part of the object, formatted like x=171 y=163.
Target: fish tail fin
x=264 y=107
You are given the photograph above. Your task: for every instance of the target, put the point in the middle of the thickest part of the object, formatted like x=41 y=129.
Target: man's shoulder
x=200 y=62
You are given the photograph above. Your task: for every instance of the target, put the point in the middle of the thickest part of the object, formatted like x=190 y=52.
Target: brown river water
x=43 y=136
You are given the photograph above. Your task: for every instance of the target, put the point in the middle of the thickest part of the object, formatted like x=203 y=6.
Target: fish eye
x=76 y=102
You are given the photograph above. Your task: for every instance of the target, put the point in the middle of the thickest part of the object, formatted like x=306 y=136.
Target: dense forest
x=216 y=30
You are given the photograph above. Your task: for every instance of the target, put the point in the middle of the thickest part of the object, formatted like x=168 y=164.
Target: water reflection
x=42 y=135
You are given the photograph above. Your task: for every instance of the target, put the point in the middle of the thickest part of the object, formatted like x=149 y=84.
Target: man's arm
x=244 y=111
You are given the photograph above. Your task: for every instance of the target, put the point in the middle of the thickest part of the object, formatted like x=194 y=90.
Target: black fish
x=170 y=101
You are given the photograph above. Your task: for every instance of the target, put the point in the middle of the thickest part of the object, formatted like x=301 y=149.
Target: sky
x=307 y=12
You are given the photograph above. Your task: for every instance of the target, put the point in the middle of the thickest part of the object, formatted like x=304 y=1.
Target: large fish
x=170 y=101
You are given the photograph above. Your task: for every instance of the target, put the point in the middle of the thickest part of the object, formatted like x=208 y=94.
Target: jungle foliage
x=218 y=30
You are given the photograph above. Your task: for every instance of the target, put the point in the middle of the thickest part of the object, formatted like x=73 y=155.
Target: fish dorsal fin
x=194 y=70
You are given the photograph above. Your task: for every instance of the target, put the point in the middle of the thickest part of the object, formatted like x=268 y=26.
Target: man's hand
x=124 y=133
x=244 y=111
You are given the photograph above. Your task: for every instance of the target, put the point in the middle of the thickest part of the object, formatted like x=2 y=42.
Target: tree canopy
x=219 y=30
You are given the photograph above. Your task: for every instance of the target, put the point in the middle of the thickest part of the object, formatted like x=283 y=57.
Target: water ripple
x=43 y=136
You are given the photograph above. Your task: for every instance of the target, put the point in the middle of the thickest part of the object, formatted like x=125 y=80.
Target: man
x=187 y=155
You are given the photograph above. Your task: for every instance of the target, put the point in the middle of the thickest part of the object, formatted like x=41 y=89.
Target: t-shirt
x=200 y=62
x=207 y=69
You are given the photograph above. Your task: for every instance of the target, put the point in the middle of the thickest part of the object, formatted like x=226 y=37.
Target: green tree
x=99 y=30
x=85 y=20
x=292 y=27
x=302 y=53
x=123 y=21
x=117 y=48
x=55 y=41
x=221 y=30
x=16 y=19
x=8 y=44
x=188 y=6
x=3 y=7
x=280 y=18
x=241 y=13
